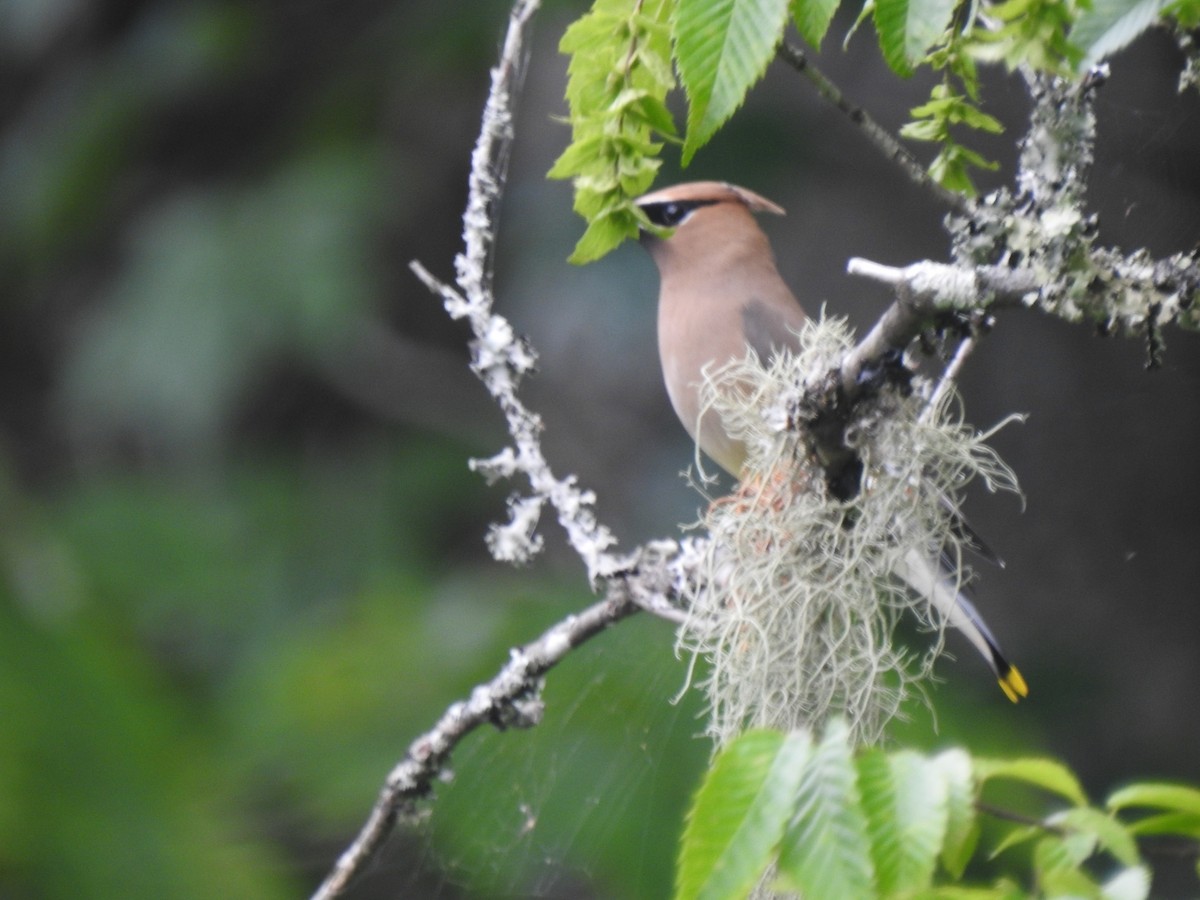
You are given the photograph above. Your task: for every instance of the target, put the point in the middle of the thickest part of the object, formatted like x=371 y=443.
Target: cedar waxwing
x=721 y=296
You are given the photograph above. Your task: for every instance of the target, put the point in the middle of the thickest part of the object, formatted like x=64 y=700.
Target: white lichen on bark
x=1043 y=228
x=1038 y=244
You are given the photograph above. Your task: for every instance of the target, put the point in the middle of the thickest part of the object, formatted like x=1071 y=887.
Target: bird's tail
x=929 y=581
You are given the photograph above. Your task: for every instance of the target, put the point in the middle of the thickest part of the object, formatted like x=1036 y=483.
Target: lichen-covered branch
x=650 y=578
x=499 y=357
x=1036 y=245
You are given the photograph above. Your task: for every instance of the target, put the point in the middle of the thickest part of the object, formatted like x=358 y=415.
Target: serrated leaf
x=969 y=157
x=962 y=825
x=812 y=18
x=586 y=30
x=924 y=130
x=908 y=28
x=739 y=814
x=825 y=851
x=1107 y=26
x=722 y=48
x=904 y=798
x=1056 y=876
x=1156 y=795
x=973 y=117
x=1047 y=774
x=1112 y=835
x=619 y=77
x=1016 y=837
x=603 y=234
x=654 y=113
x=1181 y=824
x=576 y=157
x=1055 y=861
x=949 y=170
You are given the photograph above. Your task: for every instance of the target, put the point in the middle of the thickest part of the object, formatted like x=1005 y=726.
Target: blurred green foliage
x=195 y=674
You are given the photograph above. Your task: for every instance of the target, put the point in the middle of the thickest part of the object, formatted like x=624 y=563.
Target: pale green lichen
x=795 y=607
x=1042 y=227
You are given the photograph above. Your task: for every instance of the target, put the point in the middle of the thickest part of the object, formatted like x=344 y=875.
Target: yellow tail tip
x=1013 y=685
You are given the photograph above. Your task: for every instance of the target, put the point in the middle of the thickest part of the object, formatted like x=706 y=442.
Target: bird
x=721 y=297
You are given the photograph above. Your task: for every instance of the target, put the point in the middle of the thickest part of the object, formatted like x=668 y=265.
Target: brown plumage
x=721 y=297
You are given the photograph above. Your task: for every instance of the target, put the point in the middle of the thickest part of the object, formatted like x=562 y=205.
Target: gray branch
x=1036 y=246
x=876 y=134
x=648 y=579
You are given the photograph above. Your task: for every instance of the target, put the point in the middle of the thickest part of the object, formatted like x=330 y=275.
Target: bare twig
x=879 y=136
x=950 y=374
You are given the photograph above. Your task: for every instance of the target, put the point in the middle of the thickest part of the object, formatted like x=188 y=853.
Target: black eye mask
x=669 y=213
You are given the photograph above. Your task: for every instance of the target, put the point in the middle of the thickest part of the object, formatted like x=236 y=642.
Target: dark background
x=241 y=556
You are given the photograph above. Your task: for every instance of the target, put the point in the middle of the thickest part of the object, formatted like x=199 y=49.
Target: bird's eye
x=673 y=213
x=668 y=214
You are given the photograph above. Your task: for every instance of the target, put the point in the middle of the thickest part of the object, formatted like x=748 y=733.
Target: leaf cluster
x=626 y=54
x=833 y=822
x=618 y=79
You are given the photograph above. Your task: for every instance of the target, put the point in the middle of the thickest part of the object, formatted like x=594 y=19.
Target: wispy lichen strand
x=796 y=606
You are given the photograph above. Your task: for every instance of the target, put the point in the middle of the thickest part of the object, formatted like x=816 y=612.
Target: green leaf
x=1107 y=26
x=1047 y=774
x=905 y=799
x=577 y=157
x=739 y=814
x=1004 y=890
x=968 y=157
x=1016 y=837
x=1112 y=835
x=1185 y=12
x=949 y=169
x=1066 y=850
x=973 y=117
x=602 y=235
x=812 y=18
x=1056 y=863
x=619 y=77
x=1183 y=824
x=722 y=48
x=826 y=851
x=908 y=28
x=925 y=130
x=962 y=825
x=1155 y=795
x=653 y=111
x=1032 y=33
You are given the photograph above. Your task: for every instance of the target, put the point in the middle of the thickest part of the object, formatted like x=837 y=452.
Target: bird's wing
x=965 y=532
x=771 y=327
